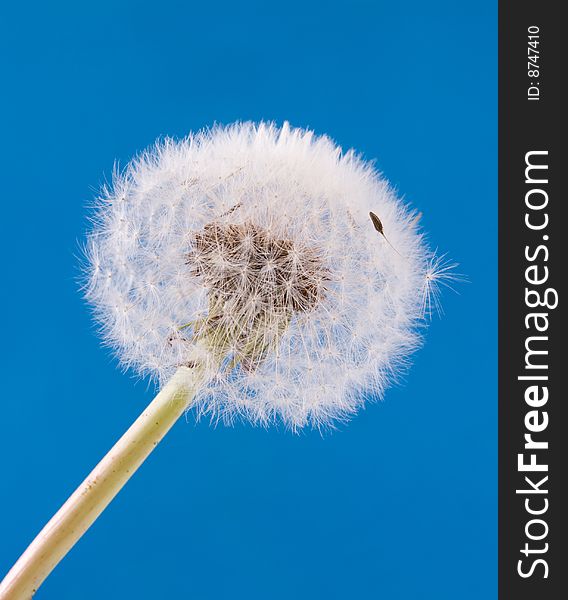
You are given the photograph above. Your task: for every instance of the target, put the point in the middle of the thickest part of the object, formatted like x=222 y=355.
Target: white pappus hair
x=254 y=245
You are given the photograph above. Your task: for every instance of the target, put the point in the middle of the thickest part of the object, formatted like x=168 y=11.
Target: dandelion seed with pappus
x=256 y=273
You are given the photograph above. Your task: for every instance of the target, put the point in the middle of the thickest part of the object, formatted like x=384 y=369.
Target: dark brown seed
x=377 y=223
x=379 y=227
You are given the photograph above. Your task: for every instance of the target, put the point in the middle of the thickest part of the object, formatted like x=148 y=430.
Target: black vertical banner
x=533 y=266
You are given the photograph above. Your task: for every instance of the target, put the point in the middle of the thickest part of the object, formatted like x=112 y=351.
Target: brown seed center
x=256 y=282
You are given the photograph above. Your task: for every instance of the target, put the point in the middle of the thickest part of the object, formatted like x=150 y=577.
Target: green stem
x=100 y=487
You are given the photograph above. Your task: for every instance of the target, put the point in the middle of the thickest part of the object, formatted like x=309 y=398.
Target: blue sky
x=400 y=503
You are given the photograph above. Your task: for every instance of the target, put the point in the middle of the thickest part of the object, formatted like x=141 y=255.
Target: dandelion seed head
x=253 y=245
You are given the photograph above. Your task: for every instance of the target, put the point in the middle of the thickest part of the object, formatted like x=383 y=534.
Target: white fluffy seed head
x=254 y=244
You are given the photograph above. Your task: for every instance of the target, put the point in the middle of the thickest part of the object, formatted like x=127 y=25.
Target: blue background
x=401 y=503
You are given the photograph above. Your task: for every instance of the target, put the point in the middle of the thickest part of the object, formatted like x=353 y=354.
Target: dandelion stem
x=100 y=487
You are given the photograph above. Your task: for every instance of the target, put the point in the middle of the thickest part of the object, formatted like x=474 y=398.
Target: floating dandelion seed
x=441 y=272
x=239 y=269
x=379 y=227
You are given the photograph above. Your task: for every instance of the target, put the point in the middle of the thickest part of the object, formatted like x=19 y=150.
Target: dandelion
x=256 y=273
